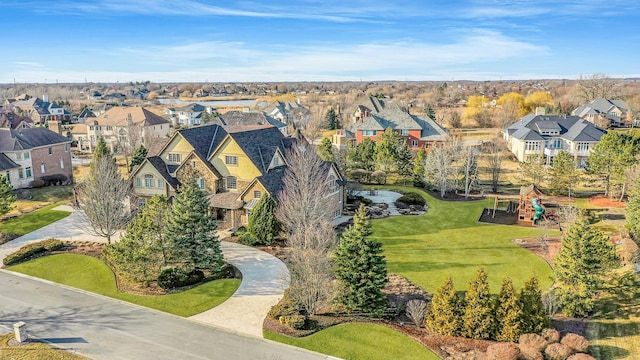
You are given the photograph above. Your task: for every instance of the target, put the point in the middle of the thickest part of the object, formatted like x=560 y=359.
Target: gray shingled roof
x=394 y=117
x=6 y=163
x=204 y=139
x=29 y=138
x=260 y=145
x=572 y=128
x=243 y=118
x=599 y=106
x=161 y=167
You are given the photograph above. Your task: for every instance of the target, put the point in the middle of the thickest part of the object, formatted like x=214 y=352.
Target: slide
x=535 y=202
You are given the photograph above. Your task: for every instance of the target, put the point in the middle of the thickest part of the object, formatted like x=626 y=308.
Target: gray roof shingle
x=571 y=128
x=29 y=138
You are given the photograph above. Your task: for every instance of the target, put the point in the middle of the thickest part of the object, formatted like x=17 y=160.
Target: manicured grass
x=91 y=274
x=449 y=241
x=359 y=341
x=33 y=351
x=33 y=221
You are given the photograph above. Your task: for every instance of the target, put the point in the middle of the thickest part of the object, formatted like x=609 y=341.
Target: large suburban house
x=546 y=135
x=188 y=115
x=40 y=110
x=29 y=154
x=288 y=112
x=9 y=119
x=246 y=117
x=606 y=112
x=235 y=166
x=118 y=126
x=418 y=131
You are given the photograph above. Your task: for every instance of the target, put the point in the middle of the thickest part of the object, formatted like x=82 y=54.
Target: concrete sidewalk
x=264 y=280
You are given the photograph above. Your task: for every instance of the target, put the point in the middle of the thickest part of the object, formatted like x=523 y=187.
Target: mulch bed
x=603 y=201
x=535 y=246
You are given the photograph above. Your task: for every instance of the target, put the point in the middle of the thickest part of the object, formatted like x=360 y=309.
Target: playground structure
x=524 y=209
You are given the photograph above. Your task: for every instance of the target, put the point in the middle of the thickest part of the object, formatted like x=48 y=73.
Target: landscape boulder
x=557 y=351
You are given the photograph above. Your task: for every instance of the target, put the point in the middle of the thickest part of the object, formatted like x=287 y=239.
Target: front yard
x=32 y=221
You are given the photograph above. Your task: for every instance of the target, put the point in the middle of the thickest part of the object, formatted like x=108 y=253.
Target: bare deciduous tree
x=598 y=85
x=469 y=164
x=103 y=196
x=417 y=311
x=306 y=209
x=567 y=215
x=495 y=163
x=440 y=168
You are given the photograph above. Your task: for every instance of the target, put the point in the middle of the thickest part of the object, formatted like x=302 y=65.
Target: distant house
x=34 y=154
x=85 y=114
x=40 y=110
x=244 y=118
x=418 y=131
x=120 y=125
x=364 y=107
x=9 y=119
x=189 y=115
x=606 y=112
x=546 y=135
x=235 y=166
x=288 y=112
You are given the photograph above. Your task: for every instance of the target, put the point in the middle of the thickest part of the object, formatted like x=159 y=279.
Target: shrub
x=529 y=353
x=502 y=351
x=417 y=311
x=246 y=238
x=379 y=176
x=534 y=341
x=557 y=352
x=412 y=198
x=418 y=183
x=576 y=342
x=359 y=175
x=56 y=179
x=286 y=307
x=551 y=335
x=293 y=321
x=36 y=183
x=26 y=252
x=172 y=278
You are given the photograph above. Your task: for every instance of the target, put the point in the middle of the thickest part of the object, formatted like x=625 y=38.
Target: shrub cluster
x=30 y=250
x=172 y=278
x=56 y=179
x=37 y=183
x=287 y=311
x=412 y=198
x=294 y=321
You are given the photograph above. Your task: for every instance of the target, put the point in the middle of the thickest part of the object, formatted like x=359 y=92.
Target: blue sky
x=313 y=40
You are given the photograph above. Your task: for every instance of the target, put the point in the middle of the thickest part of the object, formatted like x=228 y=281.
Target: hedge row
x=30 y=250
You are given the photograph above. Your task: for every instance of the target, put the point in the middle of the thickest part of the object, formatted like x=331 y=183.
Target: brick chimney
x=54 y=125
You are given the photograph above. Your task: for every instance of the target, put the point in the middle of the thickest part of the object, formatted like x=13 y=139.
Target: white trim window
x=175 y=158
x=231 y=160
x=532 y=146
x=149 y=181
x=232 y=183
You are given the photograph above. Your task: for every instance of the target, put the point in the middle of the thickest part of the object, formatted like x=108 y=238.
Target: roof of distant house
x=241 y=118
x=601 y=106
x=572 y=128
x=13 y=120
x=6 y=163
x=29 y=138
x=123 y=116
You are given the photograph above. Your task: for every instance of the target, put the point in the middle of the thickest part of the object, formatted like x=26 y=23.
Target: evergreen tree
x=191 y=229
x=508 y=313
x=533 y=170
x=444 y=313
x=610 y=158
x=325 y=150
x=361 y=268
x=534 y=317
x=331 y=119
x=101 y=148
x=584 y=257
x=7 y=197
x=352 y=156
x=428 y=110
x=478 y=317
x=563 y=175
x=387 y=150
x=263 y=224
x=366 y=154
x=405 y=159
x=632 y=211
x=138 y=157
x=418 y=164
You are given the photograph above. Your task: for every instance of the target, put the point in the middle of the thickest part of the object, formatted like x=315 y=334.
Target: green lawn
x=359 y=341
x=33 y=350
x=91 y=274
x=32 y=221
x=449 y=241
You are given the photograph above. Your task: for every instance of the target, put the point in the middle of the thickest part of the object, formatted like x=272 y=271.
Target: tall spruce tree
x=563 y=175
x=444 y=313
x=366 y=154
x=263 y=224
x=632 y=211
x=138 y=157
x=101 y=148
x=191 y=229
x=325 y=150
x=584 y=257
x=7 y=197
x=331 y=119
x=418 y=164
x=534 y=317
x=478 y=318
x=405 y=160
x=508 y=313
x=360 y=268
x=387 y=150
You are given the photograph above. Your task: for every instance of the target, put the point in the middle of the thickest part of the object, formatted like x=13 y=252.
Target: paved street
x=103 y=328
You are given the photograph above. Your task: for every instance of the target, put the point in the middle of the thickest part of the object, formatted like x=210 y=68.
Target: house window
x=201 y=184
x=66 y=147
x=42 y=168
x=90 y=127
x=61 y=163
x=414 y=143
x=27 y=172
x=109 y=128
x=93 y=138
x=138 y=182
x=176 y=158
x=18 y=156
x=149 y=181
x=8 y=176
x=141 y=202
x=404 y=132
x=583 y=146
x=231 y=160
x=257 y=194
x=532 y=146
x=20 y=174
x=232 y=182
x=50 y=150
x=369 y=132
x=26 y=156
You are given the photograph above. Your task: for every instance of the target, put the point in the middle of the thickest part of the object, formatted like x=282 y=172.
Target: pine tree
x=405 y=159
x=138 y=157
x=331 y=119
x=534 y=317
x=478 y=317
x=361 y=268
x=263 y=224
x=325 y=150
x=418 y=164
x=191 y=229
x=101 y=148
x=444 y=313
x=7 y=197
x=632 y=211
x=387 y=149
x=563 y=174
x=508 y=313
x=584 y=257
x=366 y=154
x=428 y=110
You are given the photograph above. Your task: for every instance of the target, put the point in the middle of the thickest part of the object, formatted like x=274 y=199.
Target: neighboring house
x=288 y=112
x=189 y=115
x=605 y=113
x=546 y=135
x=418 y=131
x=85 y=114
x=12 y=120
x=41 y=110
x=235 y=166
x=34 y=154
x=121 y=125
x=363 y=108
x=244 y=118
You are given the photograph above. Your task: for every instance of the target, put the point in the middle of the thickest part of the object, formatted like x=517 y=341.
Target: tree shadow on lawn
x=422 y=266
x=606 y=352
